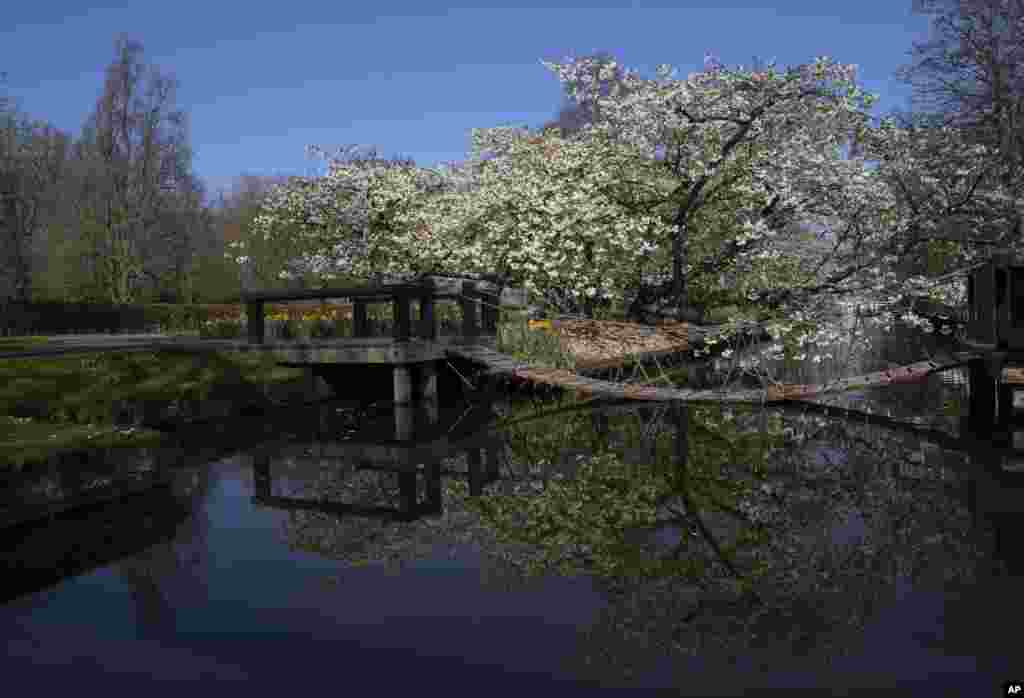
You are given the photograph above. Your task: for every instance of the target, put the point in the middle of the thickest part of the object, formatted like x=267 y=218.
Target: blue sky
x=260 y=81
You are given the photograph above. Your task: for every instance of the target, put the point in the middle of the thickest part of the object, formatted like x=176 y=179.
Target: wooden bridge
x=415 y=348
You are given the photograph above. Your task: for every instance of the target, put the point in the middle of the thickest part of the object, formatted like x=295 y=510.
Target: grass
x=54 y=404
x=61 y=403
x=533 y=343
x=24 y=441
x=21 y=343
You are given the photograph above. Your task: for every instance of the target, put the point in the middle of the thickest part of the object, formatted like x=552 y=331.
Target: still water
x=287 y=551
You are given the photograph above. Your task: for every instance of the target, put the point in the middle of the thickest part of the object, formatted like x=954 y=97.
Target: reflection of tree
x=162 y=569
x=754 y=498
x=755 y=513
x=583 y=523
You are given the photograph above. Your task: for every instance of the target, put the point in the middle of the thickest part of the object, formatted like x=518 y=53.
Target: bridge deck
x=503 y=364
x=342 y=350
x=481 y=350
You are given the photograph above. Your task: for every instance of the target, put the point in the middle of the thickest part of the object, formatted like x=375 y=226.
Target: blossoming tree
x=583 y=214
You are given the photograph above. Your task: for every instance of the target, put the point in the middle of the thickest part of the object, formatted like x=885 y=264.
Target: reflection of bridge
x=412 y=450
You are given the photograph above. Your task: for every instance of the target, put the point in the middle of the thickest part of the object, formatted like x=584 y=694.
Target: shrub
x=221 y=329
x=518 y=336
x=321 y=328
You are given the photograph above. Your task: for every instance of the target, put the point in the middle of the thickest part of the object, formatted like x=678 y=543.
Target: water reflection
x=40 y=556
x=379 y=470
x=687 y=545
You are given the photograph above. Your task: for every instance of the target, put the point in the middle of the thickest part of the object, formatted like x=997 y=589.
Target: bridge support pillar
x=1005 y=405
x=405 y=422
x=984 y=375
x=483 y=468
x=318 y=387
x=415 y=383
x=403 y=384
x=427 y=381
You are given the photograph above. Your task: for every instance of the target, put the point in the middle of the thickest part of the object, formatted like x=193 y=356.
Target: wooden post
x=428 y=329
x=427 y=383
x=982 y=395
x=254 y=313
x=468 y=302
x=403 y=384
x=405 y=422
x=407 y=493
x=476 y=471
x=318 y=387
x=491 y=464
x=432 y=469
x=403 y=316
x=360 y=326
x=432 y=411
x=432 y=474
x=489 y=310
x=1005 y=405
x=261 y=476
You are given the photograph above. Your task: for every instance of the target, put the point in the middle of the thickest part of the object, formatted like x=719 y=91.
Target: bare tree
x=135 y=157
x=968 y=78
x=971 y=77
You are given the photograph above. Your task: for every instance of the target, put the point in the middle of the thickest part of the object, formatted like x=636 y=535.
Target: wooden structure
x=995 y=297
x=414 y=348
x=413 y=454
x=994 y=321
x=401 y=298
x=995 y=330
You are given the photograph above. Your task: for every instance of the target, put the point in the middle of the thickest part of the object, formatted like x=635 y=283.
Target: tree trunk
x=668 y=301
x=679 y=290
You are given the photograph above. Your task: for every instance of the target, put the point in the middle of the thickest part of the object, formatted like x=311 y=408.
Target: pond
x=809 y=548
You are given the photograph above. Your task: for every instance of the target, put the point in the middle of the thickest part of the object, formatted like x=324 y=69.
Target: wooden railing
x=400 y=296
x=928 y=307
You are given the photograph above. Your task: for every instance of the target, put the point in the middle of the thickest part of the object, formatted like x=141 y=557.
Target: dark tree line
x=117 y=214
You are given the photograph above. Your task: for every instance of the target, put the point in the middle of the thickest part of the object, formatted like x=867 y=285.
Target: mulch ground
x=601 y=343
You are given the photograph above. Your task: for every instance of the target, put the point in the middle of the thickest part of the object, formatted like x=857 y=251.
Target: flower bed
x=302 y=320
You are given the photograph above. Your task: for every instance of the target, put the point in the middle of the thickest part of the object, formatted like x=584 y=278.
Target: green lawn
x=54 y=404
x=21 y=343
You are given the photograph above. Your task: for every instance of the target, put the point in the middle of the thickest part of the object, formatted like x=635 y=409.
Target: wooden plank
x=255 y=321
x=403 y=317
x=468 y=303
x=360 y=323
x=500 y=363
x=363 y=292
x=428 y=324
